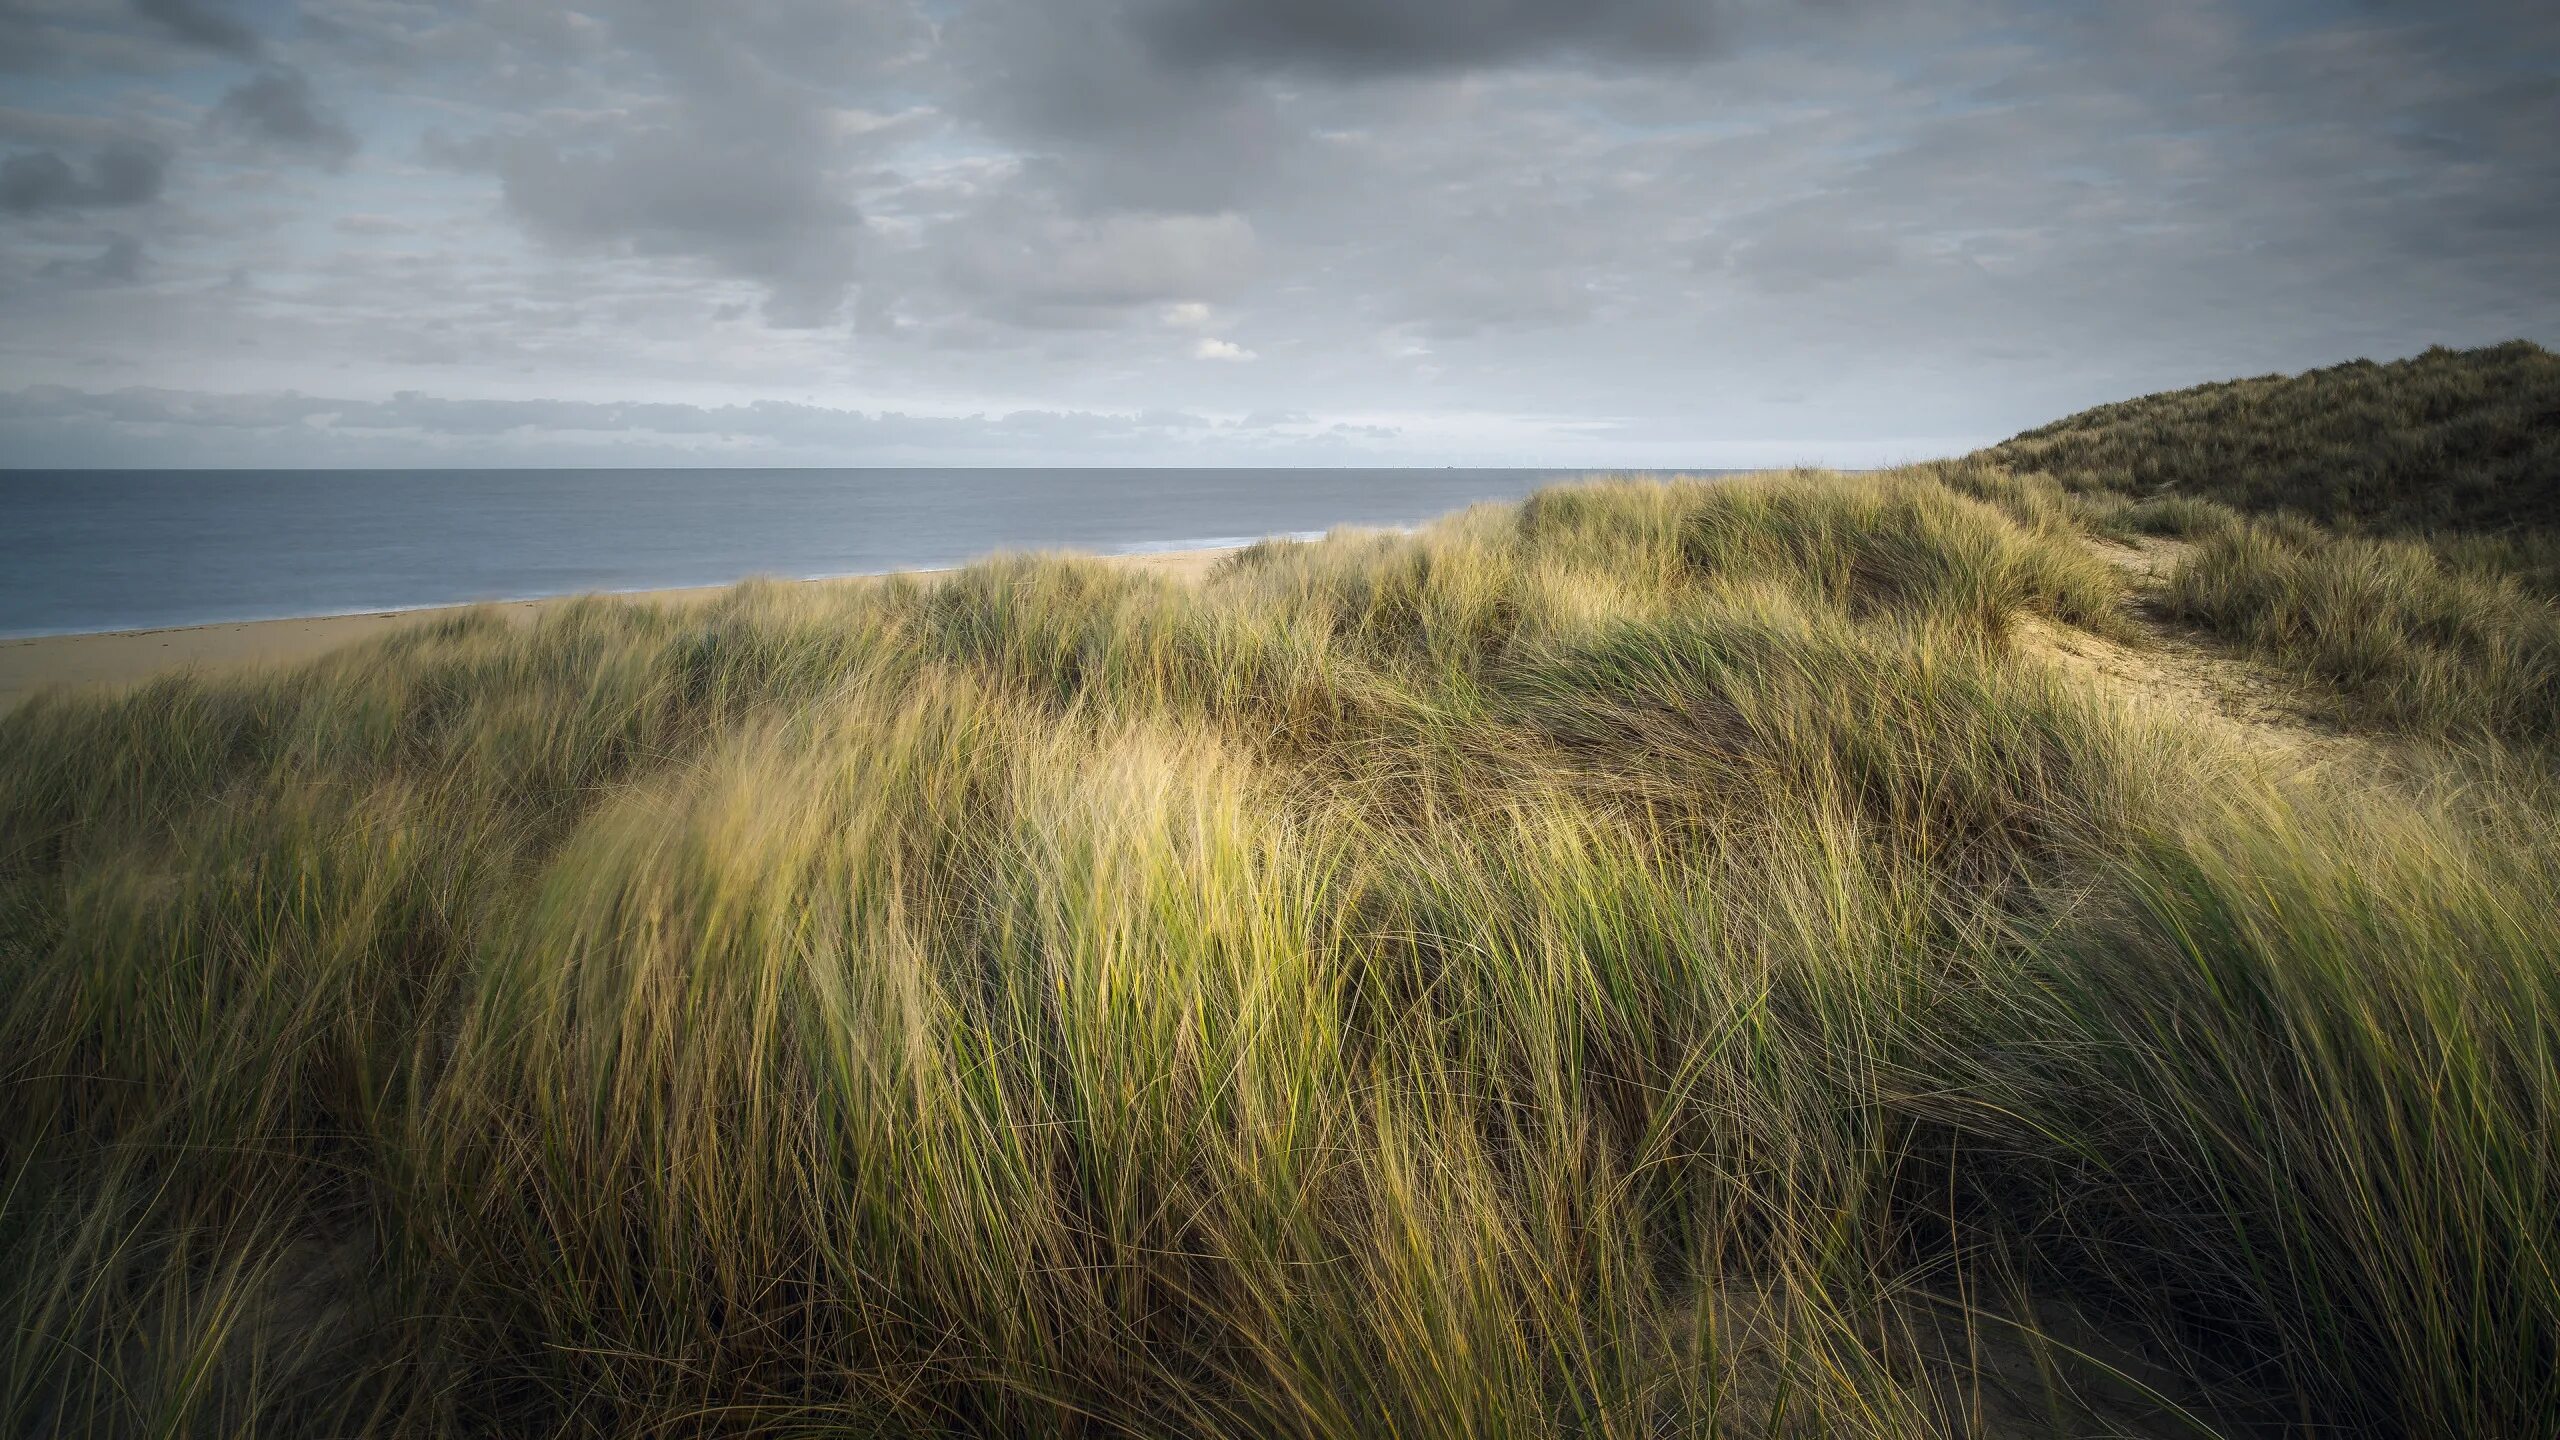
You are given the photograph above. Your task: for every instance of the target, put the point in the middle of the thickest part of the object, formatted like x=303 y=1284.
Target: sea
x=94 y=550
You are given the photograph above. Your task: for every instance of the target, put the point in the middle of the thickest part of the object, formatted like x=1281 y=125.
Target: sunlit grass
x=1655 y=959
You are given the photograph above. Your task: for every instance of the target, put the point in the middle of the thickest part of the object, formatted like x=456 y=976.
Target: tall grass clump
x=2306 y=1054
x=2412 y=641
x=1658 y=958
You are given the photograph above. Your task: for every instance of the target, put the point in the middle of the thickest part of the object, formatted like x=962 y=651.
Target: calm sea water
x=119 y=550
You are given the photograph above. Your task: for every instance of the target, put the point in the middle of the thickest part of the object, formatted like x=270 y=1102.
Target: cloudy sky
x=1536 y=232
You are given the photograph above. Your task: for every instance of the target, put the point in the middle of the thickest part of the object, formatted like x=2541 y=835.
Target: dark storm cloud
x=201 y=23
x=122 y=173
x=277 y=106
x=1364 y=36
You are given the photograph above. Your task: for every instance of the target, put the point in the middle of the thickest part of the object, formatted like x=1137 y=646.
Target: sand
x=119 y=658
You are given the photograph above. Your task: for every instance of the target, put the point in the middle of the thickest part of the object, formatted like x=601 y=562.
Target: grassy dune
x=1659 y=958
x=2391 y=532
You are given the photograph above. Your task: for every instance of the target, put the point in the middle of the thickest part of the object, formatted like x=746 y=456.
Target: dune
x=2050 y=942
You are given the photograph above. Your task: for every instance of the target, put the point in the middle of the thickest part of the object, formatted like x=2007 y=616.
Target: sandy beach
x=117 y=658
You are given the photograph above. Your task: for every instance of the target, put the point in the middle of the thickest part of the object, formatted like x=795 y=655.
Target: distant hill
x=2451 y=440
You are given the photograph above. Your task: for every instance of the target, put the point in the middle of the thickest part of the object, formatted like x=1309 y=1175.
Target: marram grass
x=1658 y=959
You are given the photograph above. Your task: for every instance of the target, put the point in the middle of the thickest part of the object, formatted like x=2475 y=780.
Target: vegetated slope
x=2449 y=441
x=2388 y=533
x=1656 y=958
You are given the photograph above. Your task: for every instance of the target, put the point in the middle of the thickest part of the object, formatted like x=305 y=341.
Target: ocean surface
x=87 y=550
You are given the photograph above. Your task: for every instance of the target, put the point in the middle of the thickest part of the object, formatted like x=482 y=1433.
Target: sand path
x=2193 y=673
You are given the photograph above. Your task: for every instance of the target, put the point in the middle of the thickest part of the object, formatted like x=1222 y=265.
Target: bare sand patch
x=2190 y=674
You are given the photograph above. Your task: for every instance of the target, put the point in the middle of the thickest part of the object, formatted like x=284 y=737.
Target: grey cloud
x=1364 y=36
x=673 y=192
x=793 y=50
x=1115 y=123
x=1200 y=104
x=184 y=420
x=1055 y=269
x=712 y=134
x=37 y=37
x=202 y=24
x=37 y=127
x=1225 y=106
x=120 y=263
x=39 y=180
x=1132 y=181
x=1461 y=302
x=124 y=172
x=1946 y=219
x=1790 y=252
x=277 y=106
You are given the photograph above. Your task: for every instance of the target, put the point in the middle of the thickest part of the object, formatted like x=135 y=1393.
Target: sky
x=1587 y=233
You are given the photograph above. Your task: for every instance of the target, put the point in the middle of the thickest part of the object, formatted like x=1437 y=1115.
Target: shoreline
x=106 y=660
